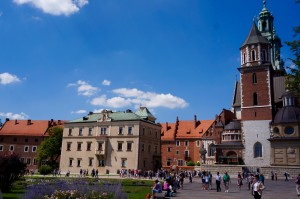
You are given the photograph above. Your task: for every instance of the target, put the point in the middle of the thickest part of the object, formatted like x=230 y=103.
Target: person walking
x=240 y=181
x=257 y=187
x=297 y=181
x=218 y=182
x=272 y=175
x=286 y=174
x=226 y=181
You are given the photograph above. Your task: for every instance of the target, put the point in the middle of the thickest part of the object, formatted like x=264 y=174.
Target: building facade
x=23 y=137
x=111 y=141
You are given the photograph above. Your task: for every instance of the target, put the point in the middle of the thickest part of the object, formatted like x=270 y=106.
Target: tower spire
x=265 y=3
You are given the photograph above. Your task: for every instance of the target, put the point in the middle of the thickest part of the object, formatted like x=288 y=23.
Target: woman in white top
x=257 y=188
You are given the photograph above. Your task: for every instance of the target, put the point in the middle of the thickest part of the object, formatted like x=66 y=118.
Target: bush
x=198 y=164
x=45 y=169
x=11 y=169
x=190 y=163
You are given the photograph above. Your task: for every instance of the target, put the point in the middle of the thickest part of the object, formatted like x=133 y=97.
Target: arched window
x=254 y=79
x=211 y=150
x=244 y=58
x=257 y=150
x=264 y=26
x=253 y=55
x=255 y=101
x=264 y=55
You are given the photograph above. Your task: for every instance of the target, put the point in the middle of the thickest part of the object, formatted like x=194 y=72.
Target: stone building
x=23 y=137
x=111 y=141
x=285 y=134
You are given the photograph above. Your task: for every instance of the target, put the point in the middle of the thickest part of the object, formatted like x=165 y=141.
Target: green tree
x=293 y=75
x=50 y=148
x=11 y=169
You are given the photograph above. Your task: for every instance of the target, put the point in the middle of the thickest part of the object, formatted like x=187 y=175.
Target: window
x=34 y=161
x=88 y=146
x=120 y=130
x=70 y=162
x=289 y=130
x=156 y=134
x=168 y=162
x=69 y=146
x=34 y=148
x=244 y=58
x=253 y=55
x=143 y=147
x=23 y=160
x=101 y=163
x=90 y=131
x=91 y=162
x=177 y=143
x=257 y=150
x=26 y=139
x=70 y=132
x=26 y=148
x=80 y=132
x=28 y=161
x=1 y=147
x=149 y=148
x=180 y=162
x=169 y=149
x=198 y=143
x=120 y=146
x=143 y=131
x=103 y=131
x=144 y=163
x=100 y=147
x=129 y=146
x=155 y=149
x=254 y=79
x=186 y=143
x=186 y=154
x=129 y=130
x=264 y=55
x=177 y=152
x=79 y=146
x=211 y=150
x=123 y=162
x=78 y=162
x=11 y=148
x=36 y=140
x=255 y=101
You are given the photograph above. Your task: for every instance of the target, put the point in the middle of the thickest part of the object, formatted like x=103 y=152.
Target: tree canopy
x=50 y=148
x=293 y=75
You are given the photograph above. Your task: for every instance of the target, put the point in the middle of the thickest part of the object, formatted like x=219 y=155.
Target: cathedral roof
x=254 y=37
x=234 y=125
x=288 y=114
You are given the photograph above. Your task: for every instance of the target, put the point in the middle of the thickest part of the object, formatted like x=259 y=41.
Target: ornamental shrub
x=45 y=169
x=190 y=163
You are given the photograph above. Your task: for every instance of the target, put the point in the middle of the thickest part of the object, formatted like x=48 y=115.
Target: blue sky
x=61 y=59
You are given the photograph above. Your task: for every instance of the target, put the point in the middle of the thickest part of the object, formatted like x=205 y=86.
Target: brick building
x=23 y=137
x=182 y=141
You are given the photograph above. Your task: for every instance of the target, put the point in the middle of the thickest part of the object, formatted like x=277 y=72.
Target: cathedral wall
x=256 y=131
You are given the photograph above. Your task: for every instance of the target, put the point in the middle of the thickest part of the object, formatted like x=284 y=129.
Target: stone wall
x=266 y=171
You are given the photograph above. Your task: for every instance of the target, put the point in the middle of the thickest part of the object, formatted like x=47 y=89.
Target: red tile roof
x=185 y=129
x=27 y=127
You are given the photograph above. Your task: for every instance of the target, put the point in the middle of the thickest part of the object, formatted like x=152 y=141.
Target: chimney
x=91 y=113
x=16 y=122
x=195 y=121
x=28 y=122
x=7 y=119
x=167 y=125
x=49 y=123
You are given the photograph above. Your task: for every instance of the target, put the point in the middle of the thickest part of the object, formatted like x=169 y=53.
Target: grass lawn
x=135 y=189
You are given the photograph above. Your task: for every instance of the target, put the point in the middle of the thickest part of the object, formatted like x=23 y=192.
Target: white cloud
x=128 y=97
x=55 y=7
x=15 y=116
x=84 y=88
x=6 y=78
x=79 y=112
x=106 y=82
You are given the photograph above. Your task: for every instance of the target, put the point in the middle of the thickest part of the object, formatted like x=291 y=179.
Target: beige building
x=111 y=141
